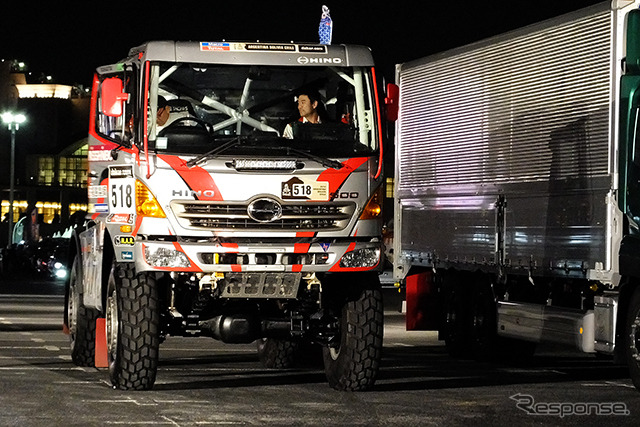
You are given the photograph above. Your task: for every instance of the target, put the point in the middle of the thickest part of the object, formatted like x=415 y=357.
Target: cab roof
x=258 y=53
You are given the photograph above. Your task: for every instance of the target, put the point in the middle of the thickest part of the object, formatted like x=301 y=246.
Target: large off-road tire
x=632 y=338
x=484 y=321
x=352 y=364
x=80 y=320
x=133 y=325
x=277 y=353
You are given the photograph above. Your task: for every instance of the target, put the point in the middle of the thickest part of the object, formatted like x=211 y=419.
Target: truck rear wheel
x=352 y=364
x=80 y=320
x=133 y=325
x=457 y=321
x=277 y=353
x=632 y=340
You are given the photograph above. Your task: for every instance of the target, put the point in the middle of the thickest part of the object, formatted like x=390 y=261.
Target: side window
x=118 y=128
x=636 y=135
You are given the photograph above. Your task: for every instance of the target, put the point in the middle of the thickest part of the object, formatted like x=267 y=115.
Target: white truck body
x=514 y=183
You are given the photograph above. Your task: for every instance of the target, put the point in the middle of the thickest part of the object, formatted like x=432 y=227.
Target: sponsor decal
x=325 y=246
x=126 y=255
x=99 y=155
x=336 y=178
x=97 y=191
x=120 y=218
x=270 y=47
x=312 y=48
x=101 y=207
x=300 y=189
x=120 y=172
x=214 y=46
x=124 y=240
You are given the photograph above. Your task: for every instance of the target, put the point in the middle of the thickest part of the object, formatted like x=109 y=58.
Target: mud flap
x=422 y=302
x=102 y=361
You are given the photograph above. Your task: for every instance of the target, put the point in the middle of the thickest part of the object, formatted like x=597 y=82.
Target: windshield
x=210 y=104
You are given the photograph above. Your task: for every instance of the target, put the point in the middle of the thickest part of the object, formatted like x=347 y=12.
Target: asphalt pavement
x=204 y=382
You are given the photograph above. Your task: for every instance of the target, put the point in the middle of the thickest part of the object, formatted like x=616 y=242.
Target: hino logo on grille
x=264 y=210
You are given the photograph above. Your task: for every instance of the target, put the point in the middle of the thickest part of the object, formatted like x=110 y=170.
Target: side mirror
x=112 y=96
x=392 y=102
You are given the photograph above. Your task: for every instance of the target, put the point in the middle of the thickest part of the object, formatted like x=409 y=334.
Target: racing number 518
x=121 y=196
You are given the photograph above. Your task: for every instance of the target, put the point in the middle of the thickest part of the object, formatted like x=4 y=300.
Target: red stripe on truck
x=336 y=178
x=198 y=179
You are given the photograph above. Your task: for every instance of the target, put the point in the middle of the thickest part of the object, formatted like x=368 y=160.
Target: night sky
x=69 y=42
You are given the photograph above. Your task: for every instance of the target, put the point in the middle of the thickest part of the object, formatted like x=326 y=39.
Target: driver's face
x=305 y=106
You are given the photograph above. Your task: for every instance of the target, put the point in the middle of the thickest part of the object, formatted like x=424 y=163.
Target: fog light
x=165 y=257
x=61 y=274
x=365 y=257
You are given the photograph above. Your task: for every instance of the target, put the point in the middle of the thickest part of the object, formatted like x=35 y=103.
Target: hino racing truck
x=517 y=189
x=215 y=224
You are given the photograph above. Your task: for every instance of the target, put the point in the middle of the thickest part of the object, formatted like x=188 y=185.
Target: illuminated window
x=389 y=188
x=71 y=170
x=45 y=170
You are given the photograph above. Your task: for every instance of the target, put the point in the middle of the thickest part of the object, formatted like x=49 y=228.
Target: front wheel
x=133 y=325
x=352 y=363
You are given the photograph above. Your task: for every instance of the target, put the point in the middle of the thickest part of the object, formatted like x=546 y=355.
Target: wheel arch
x=108 y=253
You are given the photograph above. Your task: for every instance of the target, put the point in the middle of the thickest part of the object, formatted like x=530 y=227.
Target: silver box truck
x=517 y=185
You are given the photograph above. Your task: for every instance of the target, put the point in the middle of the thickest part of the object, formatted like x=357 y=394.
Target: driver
x=168 y=114
x=310 y=109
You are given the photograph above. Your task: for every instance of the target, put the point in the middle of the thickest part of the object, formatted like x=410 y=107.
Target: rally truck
x=517 y=189
x=216 y=225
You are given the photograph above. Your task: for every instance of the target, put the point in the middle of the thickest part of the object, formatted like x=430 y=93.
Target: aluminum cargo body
x=505 y=151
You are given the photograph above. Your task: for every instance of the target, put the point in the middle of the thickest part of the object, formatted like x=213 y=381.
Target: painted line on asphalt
x=42 y=347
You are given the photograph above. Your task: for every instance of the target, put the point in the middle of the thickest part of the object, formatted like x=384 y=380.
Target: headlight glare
x=365 y=257
x=165 y=257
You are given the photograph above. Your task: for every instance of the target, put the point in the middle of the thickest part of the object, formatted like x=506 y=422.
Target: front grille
x=205 y=215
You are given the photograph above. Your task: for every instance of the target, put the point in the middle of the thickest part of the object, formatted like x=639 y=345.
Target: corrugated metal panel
x=533 y=107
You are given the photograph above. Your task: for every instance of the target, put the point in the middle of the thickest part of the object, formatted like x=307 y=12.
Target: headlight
x=366 y=257
x=165 y=257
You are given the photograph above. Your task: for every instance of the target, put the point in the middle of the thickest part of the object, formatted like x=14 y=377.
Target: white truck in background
x=517 y=188
x=217 y=225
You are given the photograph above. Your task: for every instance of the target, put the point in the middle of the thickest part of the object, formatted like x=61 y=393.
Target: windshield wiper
x=244 y=138
x=214 y=152
x=322 y=160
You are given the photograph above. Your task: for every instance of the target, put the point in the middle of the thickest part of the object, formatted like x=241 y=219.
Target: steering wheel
x=178 y=122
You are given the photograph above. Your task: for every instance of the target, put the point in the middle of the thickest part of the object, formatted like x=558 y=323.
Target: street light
x=13 y=121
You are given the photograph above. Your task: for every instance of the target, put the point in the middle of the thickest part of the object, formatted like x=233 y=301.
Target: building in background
x=51 y=148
